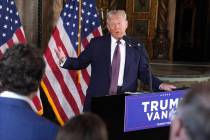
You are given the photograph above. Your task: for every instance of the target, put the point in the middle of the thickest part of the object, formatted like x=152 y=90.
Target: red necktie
x=115 y=70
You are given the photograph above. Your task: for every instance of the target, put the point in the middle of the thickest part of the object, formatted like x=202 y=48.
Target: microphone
x=150 y=76
x=133 y=43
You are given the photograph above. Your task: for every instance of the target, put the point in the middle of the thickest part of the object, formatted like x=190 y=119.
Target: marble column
x=28 y=11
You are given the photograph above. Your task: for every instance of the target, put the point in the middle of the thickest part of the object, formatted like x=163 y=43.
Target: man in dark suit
x=133 y=62
x=21 y=70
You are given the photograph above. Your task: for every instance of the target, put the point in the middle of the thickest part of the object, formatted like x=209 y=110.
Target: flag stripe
x=66 y=92
x=65 y=40
x=73 y=74
x=59 y=77
x=20 y=35
x=67 y=79
x=36 y=101
x=55 y=99
x=12 y=33
x=50 y=100
x=10 y=43
x=3 y=48
x=56 y=90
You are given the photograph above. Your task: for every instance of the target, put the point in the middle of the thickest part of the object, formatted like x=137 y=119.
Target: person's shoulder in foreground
x=192 y=120
x=22 y=68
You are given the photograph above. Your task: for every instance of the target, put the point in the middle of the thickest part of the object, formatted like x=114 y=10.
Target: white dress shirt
x=122 y=57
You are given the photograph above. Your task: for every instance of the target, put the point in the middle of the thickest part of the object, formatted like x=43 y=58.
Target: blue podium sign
x=151 y=110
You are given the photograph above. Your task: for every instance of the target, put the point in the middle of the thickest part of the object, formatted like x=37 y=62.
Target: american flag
x=65 y=94
x=11 y=32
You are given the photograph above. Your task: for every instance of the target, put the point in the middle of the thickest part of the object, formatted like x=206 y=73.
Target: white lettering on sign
x=156 y=110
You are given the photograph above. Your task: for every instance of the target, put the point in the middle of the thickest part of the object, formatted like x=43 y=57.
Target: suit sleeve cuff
x=62 y=62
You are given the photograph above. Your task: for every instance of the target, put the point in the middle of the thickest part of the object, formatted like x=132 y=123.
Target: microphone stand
x=150 y=74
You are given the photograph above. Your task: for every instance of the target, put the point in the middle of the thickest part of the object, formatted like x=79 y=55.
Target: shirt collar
x=9 y=94
x=113 y=41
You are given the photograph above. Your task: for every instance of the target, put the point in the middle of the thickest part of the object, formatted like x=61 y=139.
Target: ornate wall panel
x=142 y=17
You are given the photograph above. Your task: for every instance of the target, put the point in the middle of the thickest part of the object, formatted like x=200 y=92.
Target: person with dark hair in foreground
x=87 y=126
x=21 y=70
x=192 y=121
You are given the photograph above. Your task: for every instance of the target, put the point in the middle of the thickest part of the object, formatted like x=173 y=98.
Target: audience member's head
x=21 y=69
x=192 y=121
x=86 y=126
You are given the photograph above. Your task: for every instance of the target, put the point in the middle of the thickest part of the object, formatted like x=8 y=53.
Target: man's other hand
x=167 y=87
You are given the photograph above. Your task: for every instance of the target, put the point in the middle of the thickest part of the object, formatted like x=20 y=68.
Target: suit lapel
x=107 y=53
x=107 y=45
x=128 y=62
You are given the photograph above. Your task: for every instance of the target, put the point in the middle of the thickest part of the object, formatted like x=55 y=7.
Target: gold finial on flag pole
x=79 y=36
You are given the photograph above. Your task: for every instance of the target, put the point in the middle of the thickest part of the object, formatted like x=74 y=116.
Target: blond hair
x=116 y=12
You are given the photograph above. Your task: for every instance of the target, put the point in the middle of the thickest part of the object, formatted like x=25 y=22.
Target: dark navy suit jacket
x=19 y=122
x=98 y=54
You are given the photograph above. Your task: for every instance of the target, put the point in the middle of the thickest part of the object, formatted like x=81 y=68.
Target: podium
x=112 y=110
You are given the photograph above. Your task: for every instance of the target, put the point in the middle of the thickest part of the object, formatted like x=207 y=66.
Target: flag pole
x=79 y=36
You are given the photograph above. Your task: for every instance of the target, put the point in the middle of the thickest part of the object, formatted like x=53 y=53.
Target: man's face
x=117 y=26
